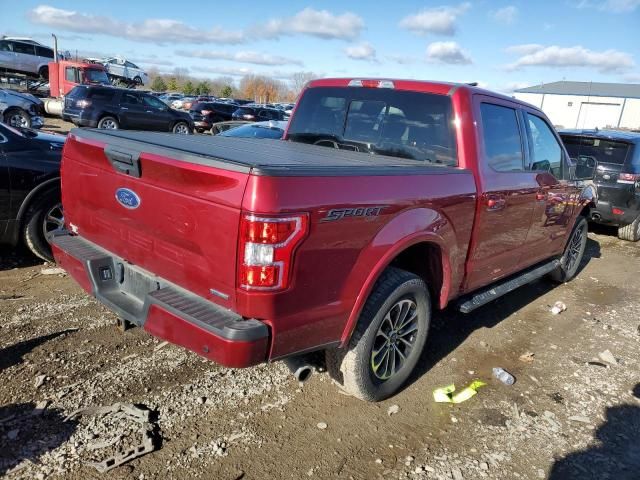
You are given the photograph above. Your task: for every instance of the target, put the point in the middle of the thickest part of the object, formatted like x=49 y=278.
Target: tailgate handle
x=124 y=162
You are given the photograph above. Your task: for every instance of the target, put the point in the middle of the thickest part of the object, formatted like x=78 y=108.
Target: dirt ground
x=572 y=413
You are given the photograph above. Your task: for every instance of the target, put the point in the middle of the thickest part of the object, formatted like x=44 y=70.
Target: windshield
x=92 y=75
x=602 y=150
x=254 y=131
x=413 y=125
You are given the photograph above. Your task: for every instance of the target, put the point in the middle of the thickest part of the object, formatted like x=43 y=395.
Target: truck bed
x=263 y=156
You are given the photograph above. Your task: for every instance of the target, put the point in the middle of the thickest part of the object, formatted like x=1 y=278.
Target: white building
x=586 y=104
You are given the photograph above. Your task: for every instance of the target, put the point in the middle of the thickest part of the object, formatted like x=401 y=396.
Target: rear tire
x=392 y=328
x=38 y=226
x=44 y=73
x=573 y=253
x=137 y=81
x=108 y=123
x=630 y=232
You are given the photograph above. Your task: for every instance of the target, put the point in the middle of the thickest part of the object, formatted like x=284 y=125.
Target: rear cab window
x=397 y=123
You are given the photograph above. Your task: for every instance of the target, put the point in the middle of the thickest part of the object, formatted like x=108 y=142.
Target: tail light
x=267 y=246
x=83 y=103
x=630 y=178
x=205 y=112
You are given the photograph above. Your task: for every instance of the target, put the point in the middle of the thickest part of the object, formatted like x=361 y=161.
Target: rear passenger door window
x=502 y=139
x=545 y=150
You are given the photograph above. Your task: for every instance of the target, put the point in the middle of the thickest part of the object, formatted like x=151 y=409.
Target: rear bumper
x=161 y=308
x=603 y=213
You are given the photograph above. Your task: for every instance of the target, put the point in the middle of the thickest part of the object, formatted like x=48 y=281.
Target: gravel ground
x=574 y=411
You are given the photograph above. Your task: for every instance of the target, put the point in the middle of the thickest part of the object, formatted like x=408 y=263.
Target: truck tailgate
x=173 y=214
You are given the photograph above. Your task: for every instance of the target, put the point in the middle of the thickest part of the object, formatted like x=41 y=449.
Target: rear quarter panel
x=336 y=266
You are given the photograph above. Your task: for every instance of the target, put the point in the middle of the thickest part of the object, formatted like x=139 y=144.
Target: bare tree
x=299 y=80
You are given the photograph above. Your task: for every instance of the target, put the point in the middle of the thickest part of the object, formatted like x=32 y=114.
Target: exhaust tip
x=299 y=367
x=303 y=373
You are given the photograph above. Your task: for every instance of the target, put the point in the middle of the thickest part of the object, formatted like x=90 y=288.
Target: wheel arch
x=46 y=186
x=423 y=232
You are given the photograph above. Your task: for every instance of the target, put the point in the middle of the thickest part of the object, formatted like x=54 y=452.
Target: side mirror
x=584 y=167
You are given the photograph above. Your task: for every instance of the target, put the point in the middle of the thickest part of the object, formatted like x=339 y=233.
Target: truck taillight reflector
x=267 y=245
x=357 y=82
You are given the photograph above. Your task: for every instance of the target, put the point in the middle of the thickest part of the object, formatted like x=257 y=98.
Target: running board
x=486 y=296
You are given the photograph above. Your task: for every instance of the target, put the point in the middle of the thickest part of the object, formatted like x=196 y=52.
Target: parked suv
x=205 y=114
x=25 y=56
x=113 y=108
x=257 y=114
x=617 y=154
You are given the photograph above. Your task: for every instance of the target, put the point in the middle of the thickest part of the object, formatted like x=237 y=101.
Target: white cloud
x=256 y=58
x=439 y=20
x=506 y=15
x=362 y=51
x=152 y=30
x=447 y=52
x=577 y=56
x=632 y=77
x=316 y=23
x=241 y=72
x=613 y=6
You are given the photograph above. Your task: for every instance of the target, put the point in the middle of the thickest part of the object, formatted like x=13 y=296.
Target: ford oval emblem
x=127 y=198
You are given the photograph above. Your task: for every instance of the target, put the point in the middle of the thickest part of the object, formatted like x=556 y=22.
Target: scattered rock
x=558 y=307
x=322 y=425
x=393 y=409
x=39 y=380
x=579 y=418
x=378 y=461
x=484 y=465
x=160 y=345
x=608 y=357
x=53 y=271
x=527 y=357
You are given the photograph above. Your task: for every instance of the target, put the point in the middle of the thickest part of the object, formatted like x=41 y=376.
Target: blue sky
x=501 y=45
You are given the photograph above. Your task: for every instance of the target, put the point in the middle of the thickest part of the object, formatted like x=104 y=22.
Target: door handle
x=496 y=202
x=124 y=108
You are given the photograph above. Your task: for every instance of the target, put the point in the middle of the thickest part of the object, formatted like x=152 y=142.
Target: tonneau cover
x=262 y=156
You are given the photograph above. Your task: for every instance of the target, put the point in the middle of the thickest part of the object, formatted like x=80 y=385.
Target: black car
x=257 y=114
x=205 y=114
x=30 y=208
x=617 y=176
x=112 y=108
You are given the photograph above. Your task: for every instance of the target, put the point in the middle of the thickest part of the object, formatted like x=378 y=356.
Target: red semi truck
x=386 y=200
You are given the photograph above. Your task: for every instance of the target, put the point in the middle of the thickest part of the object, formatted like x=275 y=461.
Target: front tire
x=388 y=339
x=17 y=118
x=137 y=81
x=181 y=128
x=630 y=232
x=108 y=123
x=43 y=218
x=573 y=253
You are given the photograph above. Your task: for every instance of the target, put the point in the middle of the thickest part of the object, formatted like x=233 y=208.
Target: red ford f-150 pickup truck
x=386 y=200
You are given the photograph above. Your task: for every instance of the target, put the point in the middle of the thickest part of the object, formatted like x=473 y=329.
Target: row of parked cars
x=106 y=107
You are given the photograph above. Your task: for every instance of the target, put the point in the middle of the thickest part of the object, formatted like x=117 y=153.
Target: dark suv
x=205 y=114
x=617 y=176
x=112 y=108
x=257 y=114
